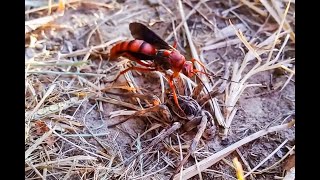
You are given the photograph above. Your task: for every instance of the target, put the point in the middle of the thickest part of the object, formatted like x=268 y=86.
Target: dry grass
x=67 y=73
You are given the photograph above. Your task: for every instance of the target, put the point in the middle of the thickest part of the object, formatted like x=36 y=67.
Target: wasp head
x=187 y=69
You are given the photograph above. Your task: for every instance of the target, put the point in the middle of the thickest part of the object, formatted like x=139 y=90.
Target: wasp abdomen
x=132 y=47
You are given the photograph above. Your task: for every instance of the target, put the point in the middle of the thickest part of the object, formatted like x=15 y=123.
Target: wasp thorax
x=177 y=60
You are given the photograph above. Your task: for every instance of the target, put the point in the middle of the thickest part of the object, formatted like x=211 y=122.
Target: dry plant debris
x=70 y=101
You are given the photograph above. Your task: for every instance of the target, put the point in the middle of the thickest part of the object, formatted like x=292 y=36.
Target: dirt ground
x=60 y=66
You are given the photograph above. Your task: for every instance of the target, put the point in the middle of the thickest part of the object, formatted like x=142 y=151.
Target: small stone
x=29 y=53
x=39 y=46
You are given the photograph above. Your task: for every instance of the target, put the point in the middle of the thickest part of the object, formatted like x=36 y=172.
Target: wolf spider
x=196 y=117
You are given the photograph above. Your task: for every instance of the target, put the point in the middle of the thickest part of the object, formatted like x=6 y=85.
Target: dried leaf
x=41 y=127
x=289 y=163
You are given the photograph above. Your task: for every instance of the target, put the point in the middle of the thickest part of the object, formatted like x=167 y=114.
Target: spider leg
x=194 y=142
x=146 y=97
x=163 y=111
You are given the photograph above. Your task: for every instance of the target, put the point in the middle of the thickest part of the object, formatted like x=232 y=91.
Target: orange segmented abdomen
x=133 y=47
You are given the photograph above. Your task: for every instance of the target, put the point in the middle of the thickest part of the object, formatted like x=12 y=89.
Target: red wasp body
x=149 y=46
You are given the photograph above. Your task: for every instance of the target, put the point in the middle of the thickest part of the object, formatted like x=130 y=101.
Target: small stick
x=79 y=147
x=238 y=167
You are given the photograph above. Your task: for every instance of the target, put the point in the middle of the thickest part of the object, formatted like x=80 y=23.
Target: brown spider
x=196 y=117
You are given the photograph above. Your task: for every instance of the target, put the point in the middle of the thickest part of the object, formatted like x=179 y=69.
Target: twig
x=66 y=73
x=36 y=23
x=278 y=32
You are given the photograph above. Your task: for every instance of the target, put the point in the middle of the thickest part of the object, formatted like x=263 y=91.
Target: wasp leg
x=134 y=68
x=174 y=94
x=201 y=64
x=132 y=58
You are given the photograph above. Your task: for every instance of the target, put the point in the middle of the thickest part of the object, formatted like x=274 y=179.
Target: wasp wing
x=142 y=32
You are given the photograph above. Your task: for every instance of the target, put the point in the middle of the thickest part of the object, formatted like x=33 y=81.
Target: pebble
x=39 y=46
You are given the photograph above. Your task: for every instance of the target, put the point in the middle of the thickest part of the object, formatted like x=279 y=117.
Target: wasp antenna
x=227 y=79
x=196 y=71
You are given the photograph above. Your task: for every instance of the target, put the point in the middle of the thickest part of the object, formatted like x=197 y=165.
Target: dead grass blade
x=90 y=49
x=209 y=161
x=37 y=143
x=195 y=55
x=278 y=18
x=235 y=90
x=60 y=161
x=53 y=108
x=267 y=158
x=255 y=8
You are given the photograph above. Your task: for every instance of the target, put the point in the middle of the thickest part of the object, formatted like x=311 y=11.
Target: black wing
x=142 y=32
